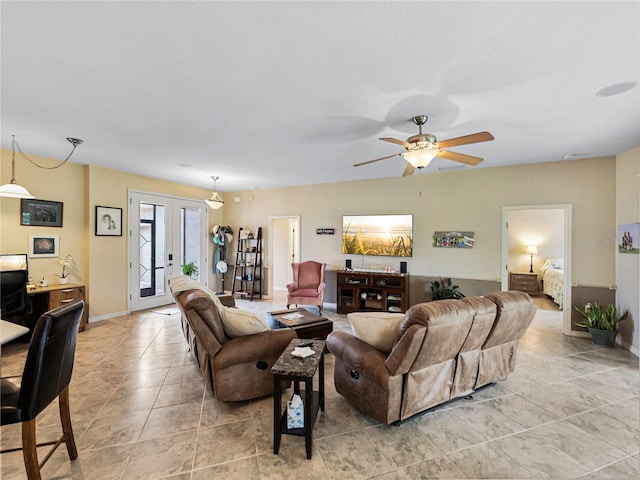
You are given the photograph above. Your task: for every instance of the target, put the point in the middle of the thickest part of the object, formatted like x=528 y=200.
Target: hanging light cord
x=74 y=141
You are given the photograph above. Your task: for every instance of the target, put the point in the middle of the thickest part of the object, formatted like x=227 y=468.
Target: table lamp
x=533 y=250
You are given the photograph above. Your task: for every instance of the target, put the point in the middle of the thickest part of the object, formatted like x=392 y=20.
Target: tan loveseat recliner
x=234 y=369
x=444 y=349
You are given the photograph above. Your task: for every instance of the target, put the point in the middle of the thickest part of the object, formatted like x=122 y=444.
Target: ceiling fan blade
x=466 y=139
x=408 y=170
x=376 y=160
x=460 y=157
x=396 y=141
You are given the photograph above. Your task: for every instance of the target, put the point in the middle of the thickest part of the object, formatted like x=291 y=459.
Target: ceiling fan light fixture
x=215 y=202
x=420 y=158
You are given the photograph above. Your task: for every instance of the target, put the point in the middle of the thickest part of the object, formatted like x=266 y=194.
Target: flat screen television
x=384 y=235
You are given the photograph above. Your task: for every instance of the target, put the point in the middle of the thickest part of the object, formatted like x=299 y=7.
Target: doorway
x=284 y=249
x=164 y=234
x=548 y=229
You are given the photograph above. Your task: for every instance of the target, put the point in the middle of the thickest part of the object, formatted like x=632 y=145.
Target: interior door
x=565 y=211
x=164 y=234
x=284 y=249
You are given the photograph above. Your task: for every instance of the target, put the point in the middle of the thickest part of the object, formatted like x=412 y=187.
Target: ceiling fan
x=424 y=147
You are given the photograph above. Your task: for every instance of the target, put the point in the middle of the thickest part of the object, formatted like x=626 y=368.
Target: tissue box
x=295 y=412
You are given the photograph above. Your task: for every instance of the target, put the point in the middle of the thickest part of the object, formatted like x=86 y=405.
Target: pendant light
x=215 y=202
x=13 y=189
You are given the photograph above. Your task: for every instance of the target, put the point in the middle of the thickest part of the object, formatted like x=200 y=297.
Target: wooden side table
x=524 y=282
x=295 y=369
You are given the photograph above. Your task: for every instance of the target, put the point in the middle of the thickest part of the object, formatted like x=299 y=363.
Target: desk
x=44 y=299
x=10 y=331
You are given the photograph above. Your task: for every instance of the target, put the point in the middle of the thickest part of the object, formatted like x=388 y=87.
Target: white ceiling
x=270 y=94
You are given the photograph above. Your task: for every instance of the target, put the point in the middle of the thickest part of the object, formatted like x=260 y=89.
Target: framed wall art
x=42 y=246
x=40 y=213
x=453 y=239
x=108 y=221
x=628 y=238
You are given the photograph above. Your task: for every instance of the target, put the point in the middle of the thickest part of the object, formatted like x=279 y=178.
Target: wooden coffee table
x=307 y=324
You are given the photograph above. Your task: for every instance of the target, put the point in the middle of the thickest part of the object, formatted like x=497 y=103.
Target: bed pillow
x=238 y=323
x=553 y=263
x=378 y=329
x=557 y=263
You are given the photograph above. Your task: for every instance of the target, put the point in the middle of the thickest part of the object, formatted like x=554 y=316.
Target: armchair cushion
x=378 y=329
x=239 y=323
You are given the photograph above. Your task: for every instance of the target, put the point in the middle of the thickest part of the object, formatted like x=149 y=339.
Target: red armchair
x=308 y=284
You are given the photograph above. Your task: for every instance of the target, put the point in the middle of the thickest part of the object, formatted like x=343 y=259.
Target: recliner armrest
x=261 y=346
x=357 y=354
x=291 y=287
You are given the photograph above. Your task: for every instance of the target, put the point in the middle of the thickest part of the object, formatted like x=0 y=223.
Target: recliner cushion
x=238 y=323
x=378 y=329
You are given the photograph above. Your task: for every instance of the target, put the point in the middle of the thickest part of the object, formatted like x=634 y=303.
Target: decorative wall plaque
x=453 y=239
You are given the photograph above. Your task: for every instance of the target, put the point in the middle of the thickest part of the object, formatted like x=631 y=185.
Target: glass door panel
x=164 y=234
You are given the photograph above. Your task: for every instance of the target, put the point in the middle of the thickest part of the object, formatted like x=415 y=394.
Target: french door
x=164 y=234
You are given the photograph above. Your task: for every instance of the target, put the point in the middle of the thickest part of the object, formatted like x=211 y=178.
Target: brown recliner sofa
x=234 y=369
x=445 y=349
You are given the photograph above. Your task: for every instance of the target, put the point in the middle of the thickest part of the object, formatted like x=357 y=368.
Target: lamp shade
x=420 y=158
x=14 y=190
x=215 y=202
x=532 y=249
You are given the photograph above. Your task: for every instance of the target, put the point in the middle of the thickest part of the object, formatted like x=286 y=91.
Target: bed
x=553 y=279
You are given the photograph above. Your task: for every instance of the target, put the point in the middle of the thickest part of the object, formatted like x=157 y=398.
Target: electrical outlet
x=613 y=286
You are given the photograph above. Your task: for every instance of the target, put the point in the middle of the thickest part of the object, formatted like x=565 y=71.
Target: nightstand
x=524 y=282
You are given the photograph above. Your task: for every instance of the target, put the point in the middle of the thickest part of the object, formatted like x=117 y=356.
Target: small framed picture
x=108 y=221
x=40 y=213
x=41 y=246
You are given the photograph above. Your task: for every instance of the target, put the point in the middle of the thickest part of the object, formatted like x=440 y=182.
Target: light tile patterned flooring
x=140 y=411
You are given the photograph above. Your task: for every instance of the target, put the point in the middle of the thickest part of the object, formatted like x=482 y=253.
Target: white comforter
x=553 y=281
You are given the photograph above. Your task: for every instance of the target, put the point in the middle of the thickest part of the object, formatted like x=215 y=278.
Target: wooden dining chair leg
x=29 y=451
x=67 y=429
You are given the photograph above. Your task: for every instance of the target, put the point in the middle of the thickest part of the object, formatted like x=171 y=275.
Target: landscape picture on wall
x=385 y=235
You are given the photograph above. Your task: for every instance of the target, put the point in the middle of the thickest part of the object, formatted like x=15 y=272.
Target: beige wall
x=64 y=184
x=460 y=200
x=628 y=265
x=469 y=200
x=102 y=261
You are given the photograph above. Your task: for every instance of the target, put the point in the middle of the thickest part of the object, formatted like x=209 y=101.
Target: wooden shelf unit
x=247 y=270
x=372 y=291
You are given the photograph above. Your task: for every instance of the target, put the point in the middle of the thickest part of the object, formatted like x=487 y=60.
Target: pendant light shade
x=215 y=202
x=12 y=189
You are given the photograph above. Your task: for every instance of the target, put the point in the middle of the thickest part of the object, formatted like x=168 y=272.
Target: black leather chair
x=46 y=375
x=14 y=300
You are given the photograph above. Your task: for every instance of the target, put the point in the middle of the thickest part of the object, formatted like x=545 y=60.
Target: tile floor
x=140 y=411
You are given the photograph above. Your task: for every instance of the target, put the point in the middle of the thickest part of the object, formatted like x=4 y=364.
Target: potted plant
x=602 y=323
x=444 y=289
x=190 y=269
x=65 y=262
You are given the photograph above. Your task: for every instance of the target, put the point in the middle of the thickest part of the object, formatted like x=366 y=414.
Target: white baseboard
x=106 y=317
